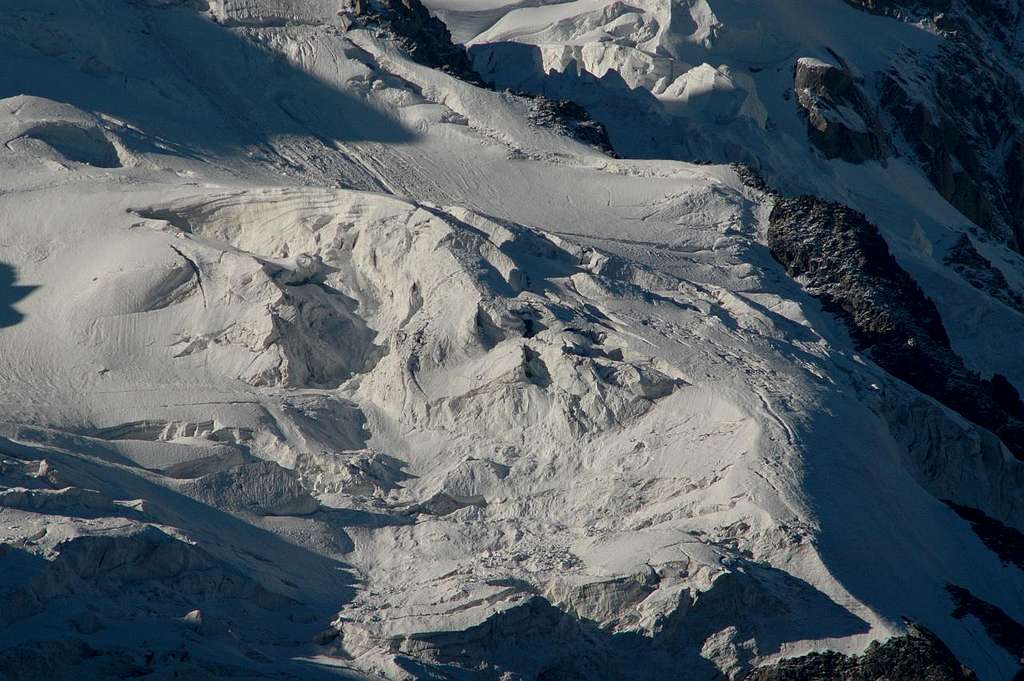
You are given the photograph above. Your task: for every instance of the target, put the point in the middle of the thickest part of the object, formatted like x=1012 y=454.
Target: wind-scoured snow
x=316 y=362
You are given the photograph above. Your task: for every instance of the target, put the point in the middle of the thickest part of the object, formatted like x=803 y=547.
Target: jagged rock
x=1000 y=627
x=751 y=177
x=846 y=262
x=982 y=274
x=959 y=110
x=903 y=8
x=960 y=113
x=951 y=162
x=570 y=119
x=841 y=121
x=918 y=656
x=426 y=38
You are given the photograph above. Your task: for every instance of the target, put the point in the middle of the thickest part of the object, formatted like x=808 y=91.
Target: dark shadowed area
x=10 y=295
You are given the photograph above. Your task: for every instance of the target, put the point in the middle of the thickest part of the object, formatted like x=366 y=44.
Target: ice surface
x=336 y=365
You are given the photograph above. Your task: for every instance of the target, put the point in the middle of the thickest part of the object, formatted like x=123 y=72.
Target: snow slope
x=334 y=365
x=713 y=81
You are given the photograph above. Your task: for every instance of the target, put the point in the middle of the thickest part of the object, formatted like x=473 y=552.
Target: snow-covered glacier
x=660 y=339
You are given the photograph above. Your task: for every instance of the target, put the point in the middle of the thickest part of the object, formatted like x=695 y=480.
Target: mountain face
x=479 y=340
x=969 y=146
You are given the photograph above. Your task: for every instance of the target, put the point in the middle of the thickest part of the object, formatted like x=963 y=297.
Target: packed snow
x=316 y=362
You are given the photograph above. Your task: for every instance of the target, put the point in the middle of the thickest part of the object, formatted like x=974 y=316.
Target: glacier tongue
x=324 y=363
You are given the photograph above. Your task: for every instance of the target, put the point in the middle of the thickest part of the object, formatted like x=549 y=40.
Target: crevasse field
x=317 y=361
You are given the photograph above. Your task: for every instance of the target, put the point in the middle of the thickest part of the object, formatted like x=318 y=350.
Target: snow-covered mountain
x=669 y=339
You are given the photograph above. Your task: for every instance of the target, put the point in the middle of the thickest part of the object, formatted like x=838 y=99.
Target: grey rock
x=910 y=9
x=980 y=273
x=1004 y=631
x=570 y=119
x=960 y=111
x=918 y=656
x=1006 y=542
x=841 y=122
x=847 y=264
x=425 y=37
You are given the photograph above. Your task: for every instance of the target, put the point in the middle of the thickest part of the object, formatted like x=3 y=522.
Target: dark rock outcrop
x=1004 y=631
x=752 y=177
x=844 y=261
x=570 y=119
x=918 y=656
x=955 y=128
x=960 y=111
x=841 y=122
x=904 y=9
x=965 y=259
x=424 y=37
x=1005 y=542
x=428 y=41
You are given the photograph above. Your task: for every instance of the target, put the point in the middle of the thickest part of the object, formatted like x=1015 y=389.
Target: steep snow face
x=320 y=362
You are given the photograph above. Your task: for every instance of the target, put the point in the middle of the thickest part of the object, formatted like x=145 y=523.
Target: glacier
x=323 y=354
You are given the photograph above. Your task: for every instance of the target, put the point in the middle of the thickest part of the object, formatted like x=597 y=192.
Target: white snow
x=359 y=335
